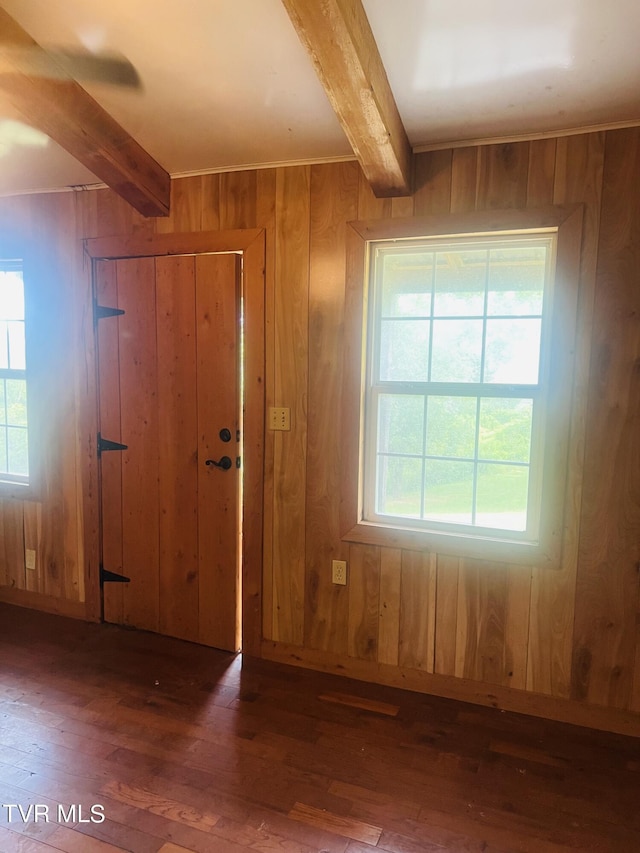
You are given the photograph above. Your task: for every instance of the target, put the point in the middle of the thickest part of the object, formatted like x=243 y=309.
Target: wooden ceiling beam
x=66 y=113
x=339 y=40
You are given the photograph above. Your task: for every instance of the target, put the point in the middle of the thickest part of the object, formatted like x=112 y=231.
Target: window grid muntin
x=382 y=250
x=376 y=387
x=375 y=454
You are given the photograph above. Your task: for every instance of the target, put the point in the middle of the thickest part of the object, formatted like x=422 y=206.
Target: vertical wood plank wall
x=570 y=634
x=52 y=524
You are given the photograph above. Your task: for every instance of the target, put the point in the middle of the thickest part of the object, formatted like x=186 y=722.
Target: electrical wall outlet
x=339 y=572
x=30 y=559
x=279 y=418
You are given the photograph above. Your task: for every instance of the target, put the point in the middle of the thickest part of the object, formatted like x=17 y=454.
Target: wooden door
x=169 y=384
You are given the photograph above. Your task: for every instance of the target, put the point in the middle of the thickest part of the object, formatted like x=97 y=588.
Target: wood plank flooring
x=184 y=749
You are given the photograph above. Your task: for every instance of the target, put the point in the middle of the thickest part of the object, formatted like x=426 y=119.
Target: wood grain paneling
x=210 y=194
x=567 y=632
x=370 y=207
x=607 y=584
x=290 y=389
x=389 y=604
x=177 y=428
x=114 y=216
x=139 y=382
x=464 y=179
x=577 y=178
x=13 y=545
x=82 y=366
x=32 y=538
x=492 y=623
x=4 y=566
x=106 y=284
x=334 y=200
x=416 y=646
x=254 y=278
x=517 y=627
x=266 y=218
x=187 y=206
x=502 y=176
x=448 y=569
x=41 y=231
x=237 y=200
x=364 y=598
x=433 y=175
x=52 y=312
x=541 y=174
x=401 y=207
x=217 y=310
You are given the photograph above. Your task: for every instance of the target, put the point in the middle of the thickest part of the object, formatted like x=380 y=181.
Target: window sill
x=18 y=491
x=455 y=545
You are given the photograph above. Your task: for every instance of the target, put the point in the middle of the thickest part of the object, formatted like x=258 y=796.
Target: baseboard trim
x=45 y=603
x=490 y=695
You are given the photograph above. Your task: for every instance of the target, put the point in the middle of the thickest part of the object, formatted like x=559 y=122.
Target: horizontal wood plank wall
x=569 y=634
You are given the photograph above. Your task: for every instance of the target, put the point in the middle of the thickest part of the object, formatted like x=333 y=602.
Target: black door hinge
x=111 y=577
x=104 y=444
x=100 y=312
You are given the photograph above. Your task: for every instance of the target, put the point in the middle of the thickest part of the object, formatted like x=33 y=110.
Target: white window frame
x=9 y=482
x=376 y=387
x=543 y=542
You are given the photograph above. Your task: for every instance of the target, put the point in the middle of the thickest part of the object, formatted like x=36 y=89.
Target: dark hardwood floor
x=181 y=748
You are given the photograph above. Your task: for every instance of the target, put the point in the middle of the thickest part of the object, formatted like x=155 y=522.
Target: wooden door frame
x=251 y=242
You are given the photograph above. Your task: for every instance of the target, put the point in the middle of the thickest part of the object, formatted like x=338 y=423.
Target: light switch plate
x=279 y=418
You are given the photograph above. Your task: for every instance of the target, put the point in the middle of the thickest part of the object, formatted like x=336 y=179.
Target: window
x=14 y=446
x=455 y=386
x=465 y=383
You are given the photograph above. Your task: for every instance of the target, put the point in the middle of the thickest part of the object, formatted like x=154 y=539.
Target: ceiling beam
x=67 y=114
x=338 y=38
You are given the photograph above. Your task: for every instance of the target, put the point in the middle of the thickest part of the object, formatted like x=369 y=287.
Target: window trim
x=566 y=222
x=16 y=264
x=33 y=269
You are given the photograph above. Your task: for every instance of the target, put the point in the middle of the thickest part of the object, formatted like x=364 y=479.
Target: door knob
x=225 y=463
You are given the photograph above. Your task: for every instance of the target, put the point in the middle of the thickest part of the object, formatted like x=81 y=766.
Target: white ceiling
x=227 y=84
